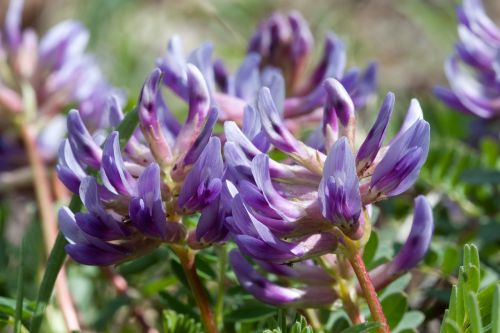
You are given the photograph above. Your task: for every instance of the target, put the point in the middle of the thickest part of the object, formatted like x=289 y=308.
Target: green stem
x=186 y=257
x=219 y=305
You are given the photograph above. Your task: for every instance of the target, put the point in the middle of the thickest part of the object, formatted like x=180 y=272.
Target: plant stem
x=369 y=292
x=186 y=257
x=219 y=305
x=49 y=222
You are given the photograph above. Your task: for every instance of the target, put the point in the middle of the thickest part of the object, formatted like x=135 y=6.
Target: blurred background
x=409 y=39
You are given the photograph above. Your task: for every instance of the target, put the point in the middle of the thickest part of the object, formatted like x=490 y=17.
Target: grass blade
x=20 y=291
x=54 y=264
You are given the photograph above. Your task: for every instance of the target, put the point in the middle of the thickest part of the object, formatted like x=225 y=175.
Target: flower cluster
x=317 y=198
x=135 y=197
x=300 y=208
x=277 y=57
x=473 y=71
x=39 y=79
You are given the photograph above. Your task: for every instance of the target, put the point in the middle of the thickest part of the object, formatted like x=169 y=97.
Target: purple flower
x=274 y=294
x=277 y=57
x=41 y=78
x=285 y=211
x=414 y=249
x=473 y=69
x=339 y=190
x=165 y=171
x=400 y=166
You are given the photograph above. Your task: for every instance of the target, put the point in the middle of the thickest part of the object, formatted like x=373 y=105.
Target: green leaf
x=410 y=322
x=250 y=312
x=453 y=306
x=495 y=311
x=394 y=306
x=20 y=290
x=178 y=323
x=127 y=126
x=175 y=304
x=473 y=312
x=8 y=308
x=451 y=260
x=54 y=264
x=451 y=326
x=399 y=285
x=370 y=249
x=362 y=328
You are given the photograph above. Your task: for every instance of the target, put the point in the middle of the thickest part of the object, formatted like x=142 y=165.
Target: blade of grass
x=54 y=264
x=20 y=291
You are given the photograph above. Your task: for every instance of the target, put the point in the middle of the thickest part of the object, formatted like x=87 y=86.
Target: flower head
x=41 y=78
x=286 y=211
x=473 y=70
x=136 y=195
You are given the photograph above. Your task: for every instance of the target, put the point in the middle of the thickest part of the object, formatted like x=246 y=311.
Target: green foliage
x=472 y=309
x=299 y=326
x=179 y=323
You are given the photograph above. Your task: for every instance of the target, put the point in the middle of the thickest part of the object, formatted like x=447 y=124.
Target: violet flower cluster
x=319 y=197
x=300 y=208
x=135 y=197
x=41 y=78
x=278 y=53
x=473 y=71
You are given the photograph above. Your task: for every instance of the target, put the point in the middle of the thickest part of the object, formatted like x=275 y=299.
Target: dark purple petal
x=198 y=96
x=371 y=146
x=88 y=254
x=173 y=66
x=69 y=170
x=338 y=101
x=339 y=189
x=282 y=206
x=146 y=209
x=81 y=142
x=203 y=183
x=260 y=287
x=149 y=118
x=273 y=125
x=419 y=239
x=201 y=141
x=221 y=76
x=114 y=175
x=401 y=165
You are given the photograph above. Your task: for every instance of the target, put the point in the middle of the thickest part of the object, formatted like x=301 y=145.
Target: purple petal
x=202 y=185
x=69 y=170
x=65 y=40
x=273 y=125
x=371 y=146
x=81 y=142
x=282 y=206
x=338 y=101
x=419 y=239
x=401 y=165
x=13 y=23
x=339 y=188
x=114 y=175
x=198 y=96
